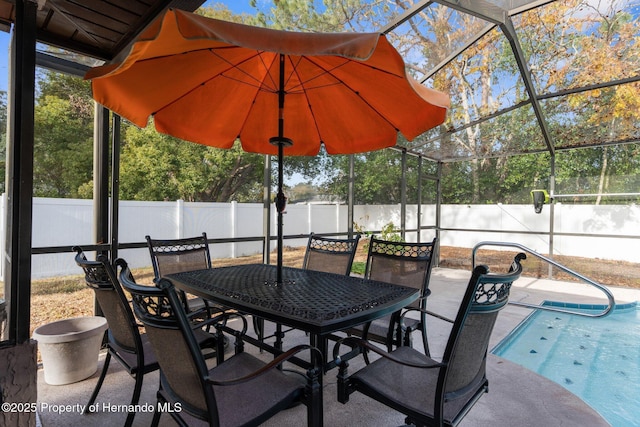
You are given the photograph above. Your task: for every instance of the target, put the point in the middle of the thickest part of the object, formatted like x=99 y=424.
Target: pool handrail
x=597 y=285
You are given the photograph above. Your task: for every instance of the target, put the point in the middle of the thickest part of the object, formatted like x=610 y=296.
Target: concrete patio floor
x=517 y=396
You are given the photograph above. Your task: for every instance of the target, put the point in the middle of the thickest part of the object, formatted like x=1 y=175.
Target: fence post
x=180 y=218
x=234 y=226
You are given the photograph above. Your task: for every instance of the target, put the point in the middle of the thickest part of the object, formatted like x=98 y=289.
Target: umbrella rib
x=294 y=67
x=231 y=66
x=330 y=72
x=303 y=86
x=258 y=83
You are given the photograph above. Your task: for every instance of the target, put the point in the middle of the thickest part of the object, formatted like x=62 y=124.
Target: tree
x=160 y=167
x=583 y=43
x=568 y=45
x=378 y=177
x=63 y=147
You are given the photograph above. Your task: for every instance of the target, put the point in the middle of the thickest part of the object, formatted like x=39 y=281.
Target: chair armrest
x=220 y=320
x=421 y=298
x=275 y=363
x=426 y=295
x=430 y=313
x=206 y=311
x=360 y=344
x=404 y=311
x=221 y=323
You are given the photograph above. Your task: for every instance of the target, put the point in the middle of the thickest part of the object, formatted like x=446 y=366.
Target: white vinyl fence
x=69 y=222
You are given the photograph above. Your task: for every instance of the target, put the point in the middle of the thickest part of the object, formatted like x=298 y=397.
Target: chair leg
x=411 y=422
x=135 y=398
x=219 y=346
x=343 y=380
x=394 y=334
x=364 y=336
x=423 y=332
x=391 y=339
x=156 y=417
x=96 y=390
x=314 y=396
x=409 y=339
x=365 y=355
x=279 y=336
x=258 y=327
x=129 y=421
x=425 y=343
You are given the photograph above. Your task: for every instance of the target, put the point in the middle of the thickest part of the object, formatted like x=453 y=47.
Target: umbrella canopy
x=211 y=82
x=286 y=93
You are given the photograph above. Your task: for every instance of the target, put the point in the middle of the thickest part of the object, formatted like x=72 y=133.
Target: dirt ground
x=69 y=297
x=606 y=272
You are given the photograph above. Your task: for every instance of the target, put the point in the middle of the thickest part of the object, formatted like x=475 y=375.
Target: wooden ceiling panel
x=7 y=12
x=97 y=28
x=137 y=7
x=107 y=18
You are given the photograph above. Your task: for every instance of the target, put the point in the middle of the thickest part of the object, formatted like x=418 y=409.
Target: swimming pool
x=597 y=359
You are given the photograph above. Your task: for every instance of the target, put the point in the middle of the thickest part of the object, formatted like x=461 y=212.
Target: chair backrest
x=182 y=365
x=330 y=255
x=466 y=349
x=170 y=256
x=100 y=276
x=401 y=263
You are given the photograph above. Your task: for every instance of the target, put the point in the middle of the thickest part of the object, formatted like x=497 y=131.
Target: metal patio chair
x=326 y=254
x=125 y=342
x=400 y=263
x=431 y=392
x=170 y=256
x=329 y=254
x=241 y=391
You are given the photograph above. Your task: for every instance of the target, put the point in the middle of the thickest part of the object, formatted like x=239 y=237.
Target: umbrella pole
x=281 y=200
x=281 y=142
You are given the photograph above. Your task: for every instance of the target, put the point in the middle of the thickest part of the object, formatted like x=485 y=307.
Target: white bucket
x=70 y=348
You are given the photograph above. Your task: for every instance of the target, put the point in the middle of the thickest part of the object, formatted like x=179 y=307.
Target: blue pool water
x=597 y=359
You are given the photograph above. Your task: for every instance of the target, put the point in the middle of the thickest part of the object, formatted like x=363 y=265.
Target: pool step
x=572 y=355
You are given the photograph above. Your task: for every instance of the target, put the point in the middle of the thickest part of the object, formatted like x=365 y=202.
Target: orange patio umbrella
x=286 y=93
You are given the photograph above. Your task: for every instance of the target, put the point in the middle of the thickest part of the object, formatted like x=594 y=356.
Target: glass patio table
x=315 y=302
